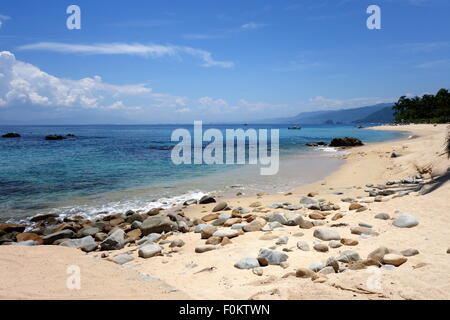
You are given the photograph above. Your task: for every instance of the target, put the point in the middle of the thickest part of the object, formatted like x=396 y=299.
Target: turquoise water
x=119 y=167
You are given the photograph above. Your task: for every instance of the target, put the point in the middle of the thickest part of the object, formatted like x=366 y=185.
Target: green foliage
x=426 y=109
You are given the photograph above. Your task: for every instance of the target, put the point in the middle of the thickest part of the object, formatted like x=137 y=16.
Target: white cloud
x=443 y=63
x=252 y=26
x=24 y=84
x=3 y=18
x=136 y=49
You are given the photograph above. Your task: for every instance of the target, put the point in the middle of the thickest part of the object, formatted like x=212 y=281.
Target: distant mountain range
x=379 y=113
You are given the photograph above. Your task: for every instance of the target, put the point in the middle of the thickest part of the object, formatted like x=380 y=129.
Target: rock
x=316 y=215
x=320 y=247
x=149 y=250
x=410 y=252
x=273 y=257
x=334 y=244
x=364 y=225
x=208 y=231
x=282 y=240
x=238 y=226
x=332 y=262
x=206 y=200
x=158 y=224
x=405 y=221
x=26 y=236
x=345 y=142
x=11 y=135
x=225 y=241
x=255 y=225
x=178 y=243
x=219 y=206
x=54 y=137
x=247 y=263
x=229 y=233
x=347 y=199
x=87 y=244
x=317 y=266
x=88 y=231
x=278 y=217
x=43 y=217
x=116 y=222
x=255 y=204
x=303 y=245
x=213 y=240
x=115 y=241
x=355 y=206
x=349 y=242
x=294 y=220
x=349 y=256
x=326 y=234
x=363 y=208
x=12 y=227
x=26 y=243
x=101 y=236
x=337 y=216
x=198 y=228
x=258 y=271
x=327 y=270
x=151 y=238
x=134 y=234
x=205 y=248
x=448 y=250
x=154 y=211
x=305 y=224
x=122 y=258
x=49 y=239
x=272 y=225
x=210 y=217
x=284 y=264
x=394 y=259
x=382 y=216
x=362 y=230
x=232 y=221
x=378 y=254
x=304 y=273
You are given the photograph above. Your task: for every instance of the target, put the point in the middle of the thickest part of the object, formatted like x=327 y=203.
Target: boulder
x=115 y=241
x=63 y=234
x=229 y=233
x=11 y=135
x=303 y=245
x=26 y=236
x=12 y=227
x=304 y=273
x=349 y=256
x=55 y=137
x=208 y=231
x=255 y=225
x=320 y=247
x=345 y=142
x=206 y=200
x=86 y=244
x=158 y=224
x=205 y=248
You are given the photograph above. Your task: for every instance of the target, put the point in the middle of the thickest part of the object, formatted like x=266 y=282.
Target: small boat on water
x=294 y=128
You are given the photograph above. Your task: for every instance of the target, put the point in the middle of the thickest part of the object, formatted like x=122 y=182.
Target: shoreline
x=422 y=276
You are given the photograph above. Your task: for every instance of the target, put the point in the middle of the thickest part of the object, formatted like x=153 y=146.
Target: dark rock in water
x=115 y=241
x=63 y=234
x=43 y=217
x=345 y=142
x=54 y=137
x=158 y=224
x=70 y=135
x=315 y=144
x=9 y=237
x=206 y=200
x=11 y=135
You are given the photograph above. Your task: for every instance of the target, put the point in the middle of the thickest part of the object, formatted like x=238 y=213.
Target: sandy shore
x=41 y=272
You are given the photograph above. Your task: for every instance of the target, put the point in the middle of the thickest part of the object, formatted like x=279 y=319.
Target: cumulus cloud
x=136 y=49
x=24 y=84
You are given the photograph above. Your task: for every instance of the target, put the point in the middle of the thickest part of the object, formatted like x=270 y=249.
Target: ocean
x=115 y=168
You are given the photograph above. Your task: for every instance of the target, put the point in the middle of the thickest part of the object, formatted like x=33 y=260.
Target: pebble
x=364 y=225
x=326 y=234
x=303 y=245
x=258 y=271
x=405 y=221
x=273 y=257
x=321 y=247
x=304 y=273
x=388 y=267
x=205 y=248
x=349 y=256
x=247 y=263
x=410 y=252
x=149 y=250
x=382 y=216
x=219 y=206
x=327 y=270
x=317 y=266
x=349 y=242
x=362 y=230
x=355 y=206
x=282 y=240
x=229 y=233
x=394 y=259
x=208 y=231
x=334 y=244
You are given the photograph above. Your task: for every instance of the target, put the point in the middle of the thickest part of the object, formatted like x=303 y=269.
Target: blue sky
x=179 y=61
